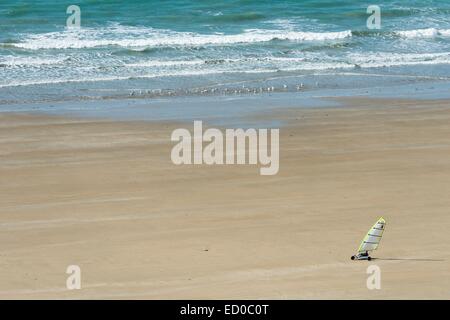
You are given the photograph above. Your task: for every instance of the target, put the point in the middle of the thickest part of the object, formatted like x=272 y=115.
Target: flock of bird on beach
x=214 y=91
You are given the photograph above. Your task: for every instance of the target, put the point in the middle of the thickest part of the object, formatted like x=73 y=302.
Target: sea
x=156 y=49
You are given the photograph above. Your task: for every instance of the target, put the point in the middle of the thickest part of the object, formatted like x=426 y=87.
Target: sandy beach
x=104 y=195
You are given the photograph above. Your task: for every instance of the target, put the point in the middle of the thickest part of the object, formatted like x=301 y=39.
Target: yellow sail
x=373 y=237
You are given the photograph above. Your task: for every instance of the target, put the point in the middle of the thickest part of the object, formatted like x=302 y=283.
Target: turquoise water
x=185 y=47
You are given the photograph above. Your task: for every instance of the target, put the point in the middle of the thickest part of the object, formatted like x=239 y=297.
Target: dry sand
x=105 y=195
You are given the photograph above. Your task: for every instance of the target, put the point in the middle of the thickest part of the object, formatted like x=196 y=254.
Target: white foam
x=285 y=24
x=444 y=32
x=136 y=68
x=58 y=81
x=424 y=33
x=16 y=61
x=162 y=63
x=389 y=59
x=128 y=37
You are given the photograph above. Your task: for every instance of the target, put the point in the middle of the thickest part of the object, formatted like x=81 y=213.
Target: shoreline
x=103 y=194
x=280 y=89
x=233 y=111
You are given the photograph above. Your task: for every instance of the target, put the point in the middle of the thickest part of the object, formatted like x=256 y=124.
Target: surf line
x=228 y=148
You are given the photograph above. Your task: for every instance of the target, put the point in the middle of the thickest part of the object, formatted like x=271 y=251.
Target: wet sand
x=105 y=195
